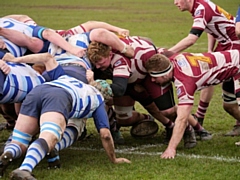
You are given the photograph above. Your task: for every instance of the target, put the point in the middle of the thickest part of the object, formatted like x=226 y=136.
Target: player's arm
x=101 y=122
x=119 y=86
x=183 y=113
x=32 y=43
x=55 y=38
x=106 y=37
x=187 y=41
x=4 y=67
x=90 y=25
x=2 y=44
x=237 y=27
x=211 y=43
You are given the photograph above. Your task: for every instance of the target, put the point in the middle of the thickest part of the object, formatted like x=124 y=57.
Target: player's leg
x=231 y=106
x=74 y=129
x=56 y=104
x=205 y=98
x=25 y=127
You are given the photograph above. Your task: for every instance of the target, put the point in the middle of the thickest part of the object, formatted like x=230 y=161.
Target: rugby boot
x=234 y=132
x=18 y=174
x=189 y=138
x=5 y=160
x=53 y=159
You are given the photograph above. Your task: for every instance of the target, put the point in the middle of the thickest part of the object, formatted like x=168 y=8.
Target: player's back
x=62 y=56
x=85 y=97
x=219 y=23
x=207 y=68
x=9 y=23
x=19 y=82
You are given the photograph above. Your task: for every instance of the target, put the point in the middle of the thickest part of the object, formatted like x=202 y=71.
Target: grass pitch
x=161 y=21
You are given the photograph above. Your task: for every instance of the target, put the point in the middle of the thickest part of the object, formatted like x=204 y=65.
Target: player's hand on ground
x=4 y=67
x=169 y=154
x=8 y=57
x=89 y=75
x=130 y=51
x=121 y=160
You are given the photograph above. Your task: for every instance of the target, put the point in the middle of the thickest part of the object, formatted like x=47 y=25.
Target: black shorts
x=166 y=100
x=46 y=98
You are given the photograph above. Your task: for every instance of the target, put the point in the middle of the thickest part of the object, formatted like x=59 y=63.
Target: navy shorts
x=46 y=98
x=77 y=72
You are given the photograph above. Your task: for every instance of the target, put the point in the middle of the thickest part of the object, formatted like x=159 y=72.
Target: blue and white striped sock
x=35 y=153
x=14 y=149
x=69 y=136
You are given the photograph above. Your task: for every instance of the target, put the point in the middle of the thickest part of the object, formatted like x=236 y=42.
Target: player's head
x=184 y=5
x=100 y=55
x=159 y=68
x=104 y=88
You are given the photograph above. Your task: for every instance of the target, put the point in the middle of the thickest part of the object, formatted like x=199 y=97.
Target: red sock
x=202 y=109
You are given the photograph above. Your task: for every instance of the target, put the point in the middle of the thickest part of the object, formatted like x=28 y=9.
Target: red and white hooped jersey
x=133 y=68
x=214 y=20
x=195 y=71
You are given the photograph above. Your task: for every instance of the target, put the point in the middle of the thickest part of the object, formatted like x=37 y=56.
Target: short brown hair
x=97 y=50
x=157 y=62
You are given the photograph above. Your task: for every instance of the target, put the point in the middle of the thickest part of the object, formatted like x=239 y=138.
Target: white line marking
x=135 y=151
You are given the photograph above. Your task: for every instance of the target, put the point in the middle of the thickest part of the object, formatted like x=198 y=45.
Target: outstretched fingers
x=122 y=160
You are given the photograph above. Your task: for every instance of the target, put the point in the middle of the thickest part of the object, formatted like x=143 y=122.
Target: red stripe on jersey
x=139 y=67
x=83 y=28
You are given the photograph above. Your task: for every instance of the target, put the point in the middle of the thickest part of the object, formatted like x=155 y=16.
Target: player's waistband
x=72 y=64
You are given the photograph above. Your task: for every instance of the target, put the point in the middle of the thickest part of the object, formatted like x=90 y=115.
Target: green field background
x=160 y=20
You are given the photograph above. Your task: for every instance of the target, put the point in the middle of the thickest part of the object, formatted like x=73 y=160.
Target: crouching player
x=47 y=109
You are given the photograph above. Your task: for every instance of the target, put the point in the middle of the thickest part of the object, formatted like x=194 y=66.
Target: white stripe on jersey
x=18 y=26
x=61 y=56
x=222 y=24
x=19 y=82
x=15 y=50
x=196 y=71
x=135 y=68
x=86 y=98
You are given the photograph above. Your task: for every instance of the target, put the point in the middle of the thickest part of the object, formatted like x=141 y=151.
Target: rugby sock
x=169 y=125
x=198 y=127
x=147 y=116
x=202 y=109
x=35 y=153
x=69 y=137
x=14 y=149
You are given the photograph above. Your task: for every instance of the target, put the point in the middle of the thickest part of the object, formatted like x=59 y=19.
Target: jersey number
x=193 y=60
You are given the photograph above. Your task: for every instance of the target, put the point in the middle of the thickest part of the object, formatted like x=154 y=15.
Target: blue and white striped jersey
x=61 y=56
x=86 y=98
x=29 y=30
x=19 y=82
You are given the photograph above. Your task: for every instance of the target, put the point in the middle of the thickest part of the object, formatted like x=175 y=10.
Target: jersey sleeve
x=56 y=73
x=100 y=117
x=199 y=18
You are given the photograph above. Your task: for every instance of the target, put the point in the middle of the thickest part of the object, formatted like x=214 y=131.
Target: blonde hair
x=96 y=51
